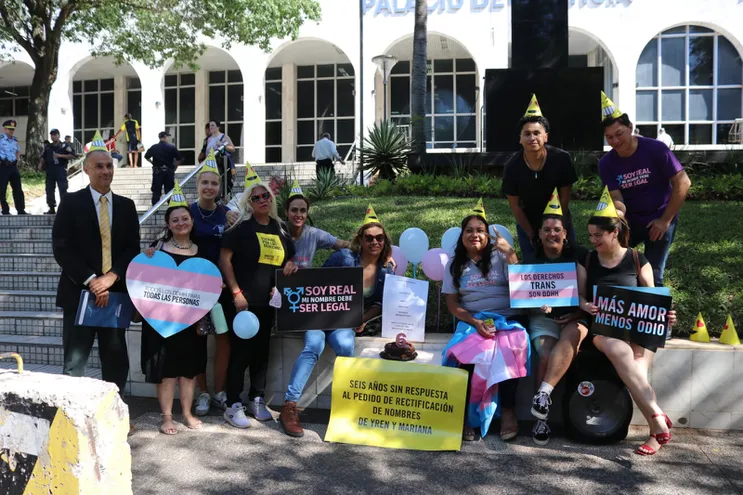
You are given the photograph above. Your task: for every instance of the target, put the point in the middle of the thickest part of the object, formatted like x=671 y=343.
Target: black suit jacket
x=76 y=241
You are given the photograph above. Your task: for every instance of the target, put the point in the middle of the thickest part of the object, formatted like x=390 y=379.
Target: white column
x=153 y=105
x=378 y=96
x=120 y=108
x=201 y=111
x=288 y=113
x=60 y=113
x=254 y=106
x=624 y=94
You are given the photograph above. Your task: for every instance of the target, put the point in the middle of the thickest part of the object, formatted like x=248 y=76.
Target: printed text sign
x=533 y=286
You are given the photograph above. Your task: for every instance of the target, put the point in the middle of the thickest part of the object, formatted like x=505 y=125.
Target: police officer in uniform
x=55 y=159
x=165 y=159
x=9 y=153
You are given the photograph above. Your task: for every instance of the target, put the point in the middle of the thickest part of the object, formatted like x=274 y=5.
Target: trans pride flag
x=501 y=358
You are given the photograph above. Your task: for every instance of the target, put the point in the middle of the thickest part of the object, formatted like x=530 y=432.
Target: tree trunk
x=418 y=79
x=45 y=75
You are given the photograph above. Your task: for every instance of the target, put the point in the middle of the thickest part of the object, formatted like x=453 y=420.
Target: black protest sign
x=638 y=316
x=320 y=299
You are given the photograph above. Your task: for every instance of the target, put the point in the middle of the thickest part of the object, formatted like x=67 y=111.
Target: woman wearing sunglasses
x=370 y=249
x=253 y=248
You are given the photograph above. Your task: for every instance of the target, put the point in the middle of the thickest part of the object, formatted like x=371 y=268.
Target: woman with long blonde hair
x=254 y=247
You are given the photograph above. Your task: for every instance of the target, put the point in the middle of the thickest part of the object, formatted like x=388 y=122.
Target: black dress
x=182 y=354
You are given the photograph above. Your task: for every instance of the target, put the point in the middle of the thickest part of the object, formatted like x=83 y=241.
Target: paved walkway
x=220 y=459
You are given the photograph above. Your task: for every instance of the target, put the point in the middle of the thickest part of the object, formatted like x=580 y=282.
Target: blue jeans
x=342 y=342
x=655 y=251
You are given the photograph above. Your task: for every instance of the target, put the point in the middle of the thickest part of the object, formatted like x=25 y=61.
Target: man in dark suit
x=95 y=236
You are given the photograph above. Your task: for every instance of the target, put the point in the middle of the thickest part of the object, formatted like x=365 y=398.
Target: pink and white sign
x=172 y=297
x=533 y=286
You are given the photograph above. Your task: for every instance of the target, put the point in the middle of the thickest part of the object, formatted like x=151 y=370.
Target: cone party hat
x=533 y=109
x=606 y=208
x=553 y=207
x=97 y=143
x=210 y=164
x=251 y=178
x=296 y=190
x=699 y=332
x=608 y=108
x=177 y=198
x=479 y=210
x=729 y=335
x=371 y=216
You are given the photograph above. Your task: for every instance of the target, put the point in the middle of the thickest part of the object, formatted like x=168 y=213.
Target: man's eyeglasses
x=257 y=197
x=296 y=210
x=379 y=238
x=556 y=230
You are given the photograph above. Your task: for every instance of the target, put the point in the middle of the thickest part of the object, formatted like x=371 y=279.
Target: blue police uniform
x=163 y=157
x=9 y=173
x=56 y=172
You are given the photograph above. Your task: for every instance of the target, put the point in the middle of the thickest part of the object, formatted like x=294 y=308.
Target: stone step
x=28 y=300
x=37 y=323
x=25 y=233
x=26 y=221
x=42 y=350
x=43 y=281
x=42 y=263
x=36 y=247
x=48 y=368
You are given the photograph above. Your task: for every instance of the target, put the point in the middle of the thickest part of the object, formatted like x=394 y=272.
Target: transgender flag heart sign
x=172 y=297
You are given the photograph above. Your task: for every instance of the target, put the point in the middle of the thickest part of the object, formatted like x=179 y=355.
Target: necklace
x=201 y=212
x=541 y=165
x=190 y=244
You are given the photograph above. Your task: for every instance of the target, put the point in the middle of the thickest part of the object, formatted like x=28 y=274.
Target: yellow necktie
x=104 y=224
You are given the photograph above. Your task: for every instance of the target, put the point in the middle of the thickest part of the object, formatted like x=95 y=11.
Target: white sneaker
x=220 y=400
x=258 y=410
x=235 y=416
x=202 y=404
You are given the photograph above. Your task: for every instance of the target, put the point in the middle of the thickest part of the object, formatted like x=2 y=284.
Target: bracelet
x=237 y=293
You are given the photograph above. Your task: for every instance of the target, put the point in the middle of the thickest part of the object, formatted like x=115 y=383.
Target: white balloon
x=449 y=240
x=414 y=244
x=502 y=231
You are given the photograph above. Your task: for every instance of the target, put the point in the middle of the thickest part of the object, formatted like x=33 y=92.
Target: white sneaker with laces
x=258 y=410
x=220 y=400
x=202 y=404
x=235 y=415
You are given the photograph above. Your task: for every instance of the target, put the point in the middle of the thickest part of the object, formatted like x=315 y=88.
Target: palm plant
x=326 y=184
x=386 y=150
x=419 y=76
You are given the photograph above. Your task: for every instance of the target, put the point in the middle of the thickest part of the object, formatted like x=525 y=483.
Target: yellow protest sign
x=272 y=251
x=397 y=405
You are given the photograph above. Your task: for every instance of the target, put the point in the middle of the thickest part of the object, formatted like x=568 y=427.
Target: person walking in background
x=111 y=147
x=54 y=160
x=222 y=146
x=646 y=182
x=207 y=133
x=324 y=153
x=665 y=138
x=165 y=158
x=133 y=137
x=531 y=176
x=94 y=238
x=9 y=154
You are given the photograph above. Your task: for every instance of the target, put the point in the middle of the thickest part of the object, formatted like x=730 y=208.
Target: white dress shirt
x=325 y=150
x=97 y=202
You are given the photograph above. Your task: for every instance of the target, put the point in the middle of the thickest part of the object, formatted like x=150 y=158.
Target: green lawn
x=704 y=271
x=33 y=184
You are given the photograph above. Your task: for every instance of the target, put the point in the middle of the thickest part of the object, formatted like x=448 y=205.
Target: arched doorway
x=15 y=86
x=584 y=50
x=452 y=92
x=310 y=90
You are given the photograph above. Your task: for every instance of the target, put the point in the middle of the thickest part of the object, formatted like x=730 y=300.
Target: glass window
x=728 y=104
x=305 y=99
x=673 y=105
x=234 y=76
x=324 y=126
x=77 y=87
x=401 y=67
x=699 y=29
x=90 y=110
x=700 y=104
x=325 y=99
x=133 y=83
x=304 y=153
x=346 y=130
x=345 y=96
x=444 y=130
x=648 y=130
x=186 y=106
x=21 y=107
x=647 y=105
x=77 y=111
x=723 y=133
x=107 y=110
x=235 y=132
x=134 y=104
x=188 y=79
x=325 y=70
x=273 y=74
x=273 y=100
x=235 y=102
x=273 y=155
x=647 y=67
x=729 y=70
x=466 y=65
x=443 y=65
x=700 y=134
x=676 y=131
x=90 y=86
x=171 y=106
x=466 y=93
x=107 y=84
x=306 y=132
x=216 y=77
x=345 y=70
x=273 y=133
x=701 y=63
x=466 y=128
x=676 y=30
x=186 y=137
x=443 y=95
x=216 y=103
x=305 y=72
x=673 y=62
x=171 y=80
x=6 y=107
x=400 y=95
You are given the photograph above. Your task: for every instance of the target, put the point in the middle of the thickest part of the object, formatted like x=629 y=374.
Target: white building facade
x=667 y=63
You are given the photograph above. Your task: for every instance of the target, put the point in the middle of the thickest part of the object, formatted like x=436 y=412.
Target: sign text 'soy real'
x=172 y=297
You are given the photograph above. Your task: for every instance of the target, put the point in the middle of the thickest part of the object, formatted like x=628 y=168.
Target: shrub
x=326 y=185
x=386 y=150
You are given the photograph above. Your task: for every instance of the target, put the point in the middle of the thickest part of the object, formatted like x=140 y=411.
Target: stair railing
x=164 y=199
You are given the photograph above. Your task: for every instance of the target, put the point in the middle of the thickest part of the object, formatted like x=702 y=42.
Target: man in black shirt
x=165 y=159
x=54 y=159
x=531 y=176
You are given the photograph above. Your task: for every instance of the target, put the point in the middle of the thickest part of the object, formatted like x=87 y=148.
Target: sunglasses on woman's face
x=257 y=197
x=370 y=238
x=296 y=210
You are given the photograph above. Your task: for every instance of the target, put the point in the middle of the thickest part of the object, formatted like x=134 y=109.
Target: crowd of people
x=96 y=235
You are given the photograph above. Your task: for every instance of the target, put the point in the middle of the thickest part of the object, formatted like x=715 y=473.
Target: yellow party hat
x=296 y=190
x=479 y=210
x=210 y=164
x=371 y=216
x=251 y=178
x=699 y=332
x=533 y=109
x=177 y=198
x=97 y=143
x=729 y=335
x=553 y=207
x=605 y=208
x=608 y=108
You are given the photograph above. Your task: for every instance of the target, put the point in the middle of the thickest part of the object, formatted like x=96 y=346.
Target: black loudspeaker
x=539 y=34
x=570 y=98
x=597 y=407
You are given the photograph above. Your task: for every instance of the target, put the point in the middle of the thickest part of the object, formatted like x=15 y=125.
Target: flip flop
x=196 y=426
x=509 y=433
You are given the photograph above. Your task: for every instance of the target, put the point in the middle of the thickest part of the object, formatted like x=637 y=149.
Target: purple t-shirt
x=643 y=178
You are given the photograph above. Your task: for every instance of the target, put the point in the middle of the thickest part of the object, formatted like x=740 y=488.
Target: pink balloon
x=401 y=262
x=434 y=264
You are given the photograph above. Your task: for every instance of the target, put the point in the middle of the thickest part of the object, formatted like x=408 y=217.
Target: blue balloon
x=449 y=240
x=245 y=325
x=503 y=232
x=414 y=244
